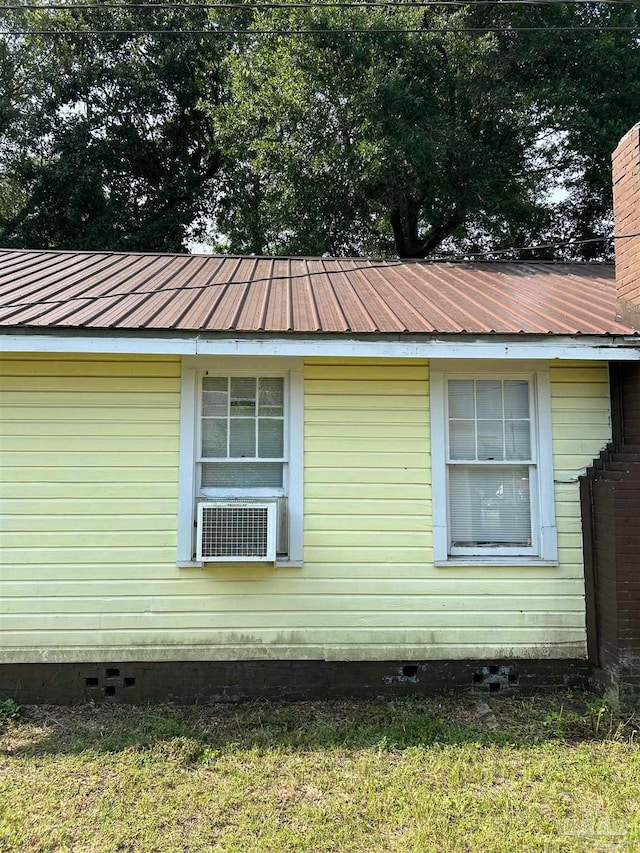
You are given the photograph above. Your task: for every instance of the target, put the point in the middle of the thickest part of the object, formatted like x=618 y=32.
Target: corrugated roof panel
x=211 y=293
x=181 y=292
x=356 y=315
x=535 y=301
x=381 y=314
x=330 y=313
x=496 y=304
x=208 y=294
x=229 y=306
x=277 y=315
x=459 y=302
x=304 y=312
x=38 y=285
x=109 y=295
x=392 y=295
x=427 y=301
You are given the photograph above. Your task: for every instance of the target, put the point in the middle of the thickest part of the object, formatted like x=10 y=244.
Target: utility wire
x=318 y=4
x=381 y=264
x=539 y=246
x=325 y=32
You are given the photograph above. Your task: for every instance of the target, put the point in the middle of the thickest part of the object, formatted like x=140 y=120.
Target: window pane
x=270 y=438
x=271 y=397
x=242 y=438
x=490 y=440
x=242 y=475
x=489 y=398
x=516 y=398
x=461 y=398
x=489 y=507
x=214 y=437
x=462 y=440
x=243 y=397
x=214 y=396
x=518 y=439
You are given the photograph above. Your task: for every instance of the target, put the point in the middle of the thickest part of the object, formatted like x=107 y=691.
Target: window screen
x=490 y=437
x=242 y=432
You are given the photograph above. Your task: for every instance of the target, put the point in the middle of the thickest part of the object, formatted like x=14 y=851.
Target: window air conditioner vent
x=235 y=531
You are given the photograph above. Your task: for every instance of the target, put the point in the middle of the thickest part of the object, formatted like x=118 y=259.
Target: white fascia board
x=97 y=344
x=592 y=348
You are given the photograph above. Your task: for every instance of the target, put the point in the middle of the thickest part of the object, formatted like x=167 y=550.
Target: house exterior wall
x=89 y=510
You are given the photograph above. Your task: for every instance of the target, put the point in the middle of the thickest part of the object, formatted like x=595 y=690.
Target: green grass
x=553 y=773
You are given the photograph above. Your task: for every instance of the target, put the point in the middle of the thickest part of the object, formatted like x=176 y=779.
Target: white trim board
x=588 y=348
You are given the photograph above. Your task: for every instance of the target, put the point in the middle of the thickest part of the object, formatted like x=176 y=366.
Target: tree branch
x=422 y=248
x=399 y=237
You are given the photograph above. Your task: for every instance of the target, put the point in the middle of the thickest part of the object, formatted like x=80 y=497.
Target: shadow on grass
x=191 y=733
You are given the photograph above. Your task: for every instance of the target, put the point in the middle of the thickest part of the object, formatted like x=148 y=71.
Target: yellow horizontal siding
x=68 y=416
x=100 y=429
x=580 y=413
x=368 y=534
x=452 y=623
x=88 y=454
x=339 y=471
x=89 y=447
x=407 y=578
x=361 y=416
x=168 y=601
x=581 y=424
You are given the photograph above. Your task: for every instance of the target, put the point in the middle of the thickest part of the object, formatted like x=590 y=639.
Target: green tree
x=111 y=149
x=376 y=143
x=417 y=142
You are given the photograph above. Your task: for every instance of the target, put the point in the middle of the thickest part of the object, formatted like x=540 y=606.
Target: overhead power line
x=378 y=264
x=321 y=31
x=312 y=4
x=561 y=245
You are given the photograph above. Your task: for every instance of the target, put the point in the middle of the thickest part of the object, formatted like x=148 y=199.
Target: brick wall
x=629 y=391
x=293 y=680
x=626 y=209
x=611 y=528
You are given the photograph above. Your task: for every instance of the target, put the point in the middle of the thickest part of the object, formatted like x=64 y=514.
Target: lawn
x=553 y=773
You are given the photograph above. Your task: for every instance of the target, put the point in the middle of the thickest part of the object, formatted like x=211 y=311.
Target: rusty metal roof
x=214 y=293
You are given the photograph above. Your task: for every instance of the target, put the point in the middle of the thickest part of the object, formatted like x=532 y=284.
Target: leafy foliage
x=9 y=710
x=106 y=145
x=320 y=142
x=342 y=144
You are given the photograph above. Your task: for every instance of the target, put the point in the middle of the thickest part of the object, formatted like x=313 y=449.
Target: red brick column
x=611 y=530
x=626 y=212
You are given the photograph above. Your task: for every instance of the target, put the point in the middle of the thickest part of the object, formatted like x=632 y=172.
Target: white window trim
x=543 y=511
x=292 y=370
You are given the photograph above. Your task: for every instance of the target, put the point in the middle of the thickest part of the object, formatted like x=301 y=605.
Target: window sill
x=452 y=562
x=279 y=564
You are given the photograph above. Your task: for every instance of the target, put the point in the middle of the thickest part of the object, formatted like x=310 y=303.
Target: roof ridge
x=373 y=258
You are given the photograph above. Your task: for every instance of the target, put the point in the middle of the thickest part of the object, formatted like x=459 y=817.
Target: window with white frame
x=242 y=435
x=241 y=440
x=493 y=476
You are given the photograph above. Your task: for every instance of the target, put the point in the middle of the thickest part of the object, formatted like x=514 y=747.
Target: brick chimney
x=626 y=217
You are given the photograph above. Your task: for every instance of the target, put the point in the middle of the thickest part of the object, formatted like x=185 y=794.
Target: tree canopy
x=106 y=142
x=318 y=141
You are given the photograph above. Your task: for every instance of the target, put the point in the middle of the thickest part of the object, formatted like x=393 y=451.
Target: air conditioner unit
x=237 y=531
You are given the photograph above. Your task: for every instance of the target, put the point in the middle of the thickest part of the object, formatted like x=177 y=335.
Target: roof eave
x=605 y=347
